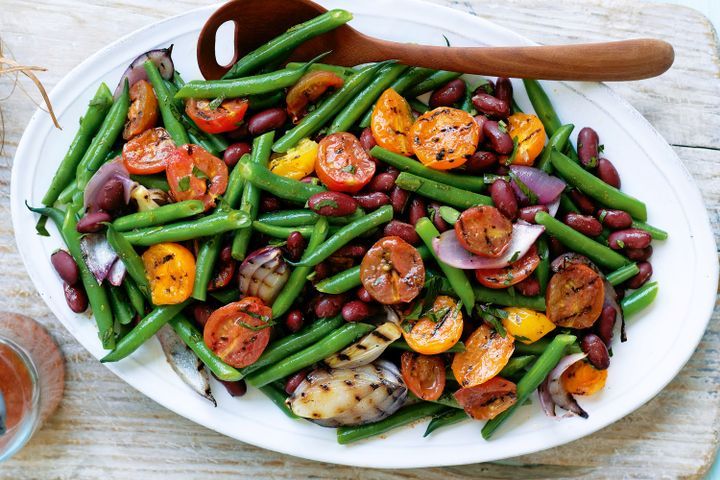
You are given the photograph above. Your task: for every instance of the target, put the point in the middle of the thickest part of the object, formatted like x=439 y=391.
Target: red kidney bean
x=399 y=199
x=480 y=120
x=201 y=312
x=587 y=146
x=111 y=196
x=65 y=266
x=491 y=106
x=235 y=389
x=392 y=171
x=502 y=171
x=294 y=320
x=449 y=94
x=382 y=182
x=619 y=292
x=417 y=210
x=372 y=201
x=504 y=90
x=480 y=161
x=353 y=250
x=639 y=254
x=329 y=305
x=614 y=219
x=234 y=153
x=294 y=381
x=364 y=295
x=504 y=198
x=355 y=311
x=332 y=204
x=403 y=230
x=528 y=213
x=295 y=246
x=322 y=270
x=607 y=173
x=434 y=212
x=266 y=120
x=605 y=324
x=584 y=224
x=585 y=205
x=367 y=140
x=528 y=287
x=499 y=141
x=556 y=247
x=596 y=350
x=93 y=222
x=487 y=87
x=642 y=276
x=75 y=297
x=269 y=203
x=239 y=134
x=629 y=238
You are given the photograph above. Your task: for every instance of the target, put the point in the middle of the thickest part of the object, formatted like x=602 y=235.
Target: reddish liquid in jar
x=15 y=385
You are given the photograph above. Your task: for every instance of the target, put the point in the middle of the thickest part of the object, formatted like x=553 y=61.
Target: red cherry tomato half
x=148 y=152
x=342 y=163
x=225 y=118
x=195 y=174
x=514 y=273
x=424 y=375
x=487 y=400
x=308 y=89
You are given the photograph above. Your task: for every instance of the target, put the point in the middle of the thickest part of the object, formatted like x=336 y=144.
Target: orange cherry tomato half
x=575 y=297
x=239 y=332
x=170 y=269
x=342 y=164
x=531 y=137
x=308 y=89
x=514 y=273
x=486 y=353
x=487 y=400
x=148 y=152
x=484 y=231
x=424 y=375
x=444 y=138
x=439 y=331
x=143 y=112
x=392 y=271
x=581 y=378
x=225 y=118
x=195 y=174
x=391 y=121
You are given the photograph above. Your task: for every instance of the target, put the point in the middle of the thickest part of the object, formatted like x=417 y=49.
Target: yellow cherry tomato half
x=527 y=326
x=170 y=268
x=531 y=137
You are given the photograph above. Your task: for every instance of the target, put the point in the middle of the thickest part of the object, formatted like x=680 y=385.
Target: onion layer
x=162 y=58
x=263 y=274
x=546 y=187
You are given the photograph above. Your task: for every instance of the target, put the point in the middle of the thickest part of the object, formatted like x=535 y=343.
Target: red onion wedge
x=546 y=187
x=98 y=255
x=117 y=273
x=135 y=72
x=449 y=250
x=263 y=274
x=554 y=387
x=114 y=169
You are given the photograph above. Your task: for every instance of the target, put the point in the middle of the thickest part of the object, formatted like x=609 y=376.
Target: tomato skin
x=227 y=334
x=428 y=336
x=487 y=400
x=308 y=89
x=143 y=112
x=575 y=297
x=183 y=168
x=148 y=152
x=342 y=163
x=444 y=138
x=484 y=231
x=424 y=375
x=392 y=271
x=225 y=118
x=486 y=353
x=298 y=162
x=581 y=378
x=170 y=268
x=514 y=273
x=531 y=136
x=527 y=326
x=391 y=122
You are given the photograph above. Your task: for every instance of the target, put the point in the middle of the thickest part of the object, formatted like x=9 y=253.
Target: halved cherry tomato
x=487 y=400
x=581 y=378
x=195 y=174
x=486 y=353
x=298 y=162
x=575 y=296
x=391 y=122
x=170 y=268
x=239 y=332
x=514 y=273
x=148 y=152
x=307 y=90
x=439 y=331
x=342 y=163
x=143 y=112
x=531 y=137
x=224 y=271
x=484 y=231
x=444 y=138
x=226 y=117
x=424 y=375
x=392 y=271
x=527 y=326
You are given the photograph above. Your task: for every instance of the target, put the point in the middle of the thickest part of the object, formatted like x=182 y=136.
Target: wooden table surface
x=106 y=429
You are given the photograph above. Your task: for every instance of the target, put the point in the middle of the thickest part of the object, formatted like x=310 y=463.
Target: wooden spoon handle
x=611 y=61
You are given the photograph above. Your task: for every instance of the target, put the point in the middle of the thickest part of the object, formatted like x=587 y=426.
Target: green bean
x=218 y=222
x=445 y=418
x=656 y=233
x=152 y=181
x=289 y=218
x=293 y=343
x=159 y=216
x=296 y=35
x=194 y=339
x=119 y=304
x=508 y=298
x=226 y=296
x=516 y=364
x=207 y=256
x=54 y=214
x=401 y=344
x=298 y=277
x=457 y=278
x=170 y=115
x=365 y=98
x=623 y=273
x=332 y=343
x=557 y=141
x=592 y=186
x=103 y=141
x=639 y=299
x=344 y=72
x=315 y=120
x=89 y=125
x=567 y=204
x=417 y=105
x=133 y=263
x=436 y=80
x=282 y=187
x=281 y=232
x=250 y=200
x=532 y=379
x=405 y=164
x=443 y=193
x=172 y=89
x=535 y=348
x=266 y=100
x=404 y=416
x=346 y=234
x=137 y=299
x=235 y=185
x=350 y=278
x=241 y=87
x=543 y=269
x=278 y=396
x=67 y=194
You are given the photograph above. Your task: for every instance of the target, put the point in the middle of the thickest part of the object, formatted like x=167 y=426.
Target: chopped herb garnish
x=502 y=126
x=216 y=103
x=602 y=216
x=349 y=168
x=532 y=198
x=621 y=244
x=493 y=316
x=514 y=257
x=601 y=148
x=447 y=42
x=326 y=203
x=449 y=214
x=184 y=183
x=513 y=154
x=197 y=173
